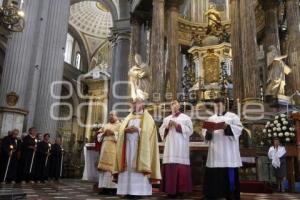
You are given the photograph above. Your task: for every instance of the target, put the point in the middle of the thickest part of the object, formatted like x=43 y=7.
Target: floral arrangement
x=282 y=128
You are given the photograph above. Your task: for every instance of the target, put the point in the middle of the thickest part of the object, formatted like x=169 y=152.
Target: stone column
x=236 y=46
x=271 y=27
x=16 y=70
x=135 y=38
x=36 y=61
x=52 y=66
x=119 y=84
x=293 y=47
x=248 y=51
x=198 y=9
x=157 y=62
x=112 y=40
x=172 y=47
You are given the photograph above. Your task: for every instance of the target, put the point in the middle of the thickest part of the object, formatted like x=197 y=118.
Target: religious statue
x=214 y=19
x=277 y=70
x=139 y=79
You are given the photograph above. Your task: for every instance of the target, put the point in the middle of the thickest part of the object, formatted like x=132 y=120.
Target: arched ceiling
x=92 y=20
x=91 y=17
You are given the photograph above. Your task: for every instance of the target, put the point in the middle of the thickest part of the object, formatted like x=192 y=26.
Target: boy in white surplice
x=221 y=178
x=176 y=131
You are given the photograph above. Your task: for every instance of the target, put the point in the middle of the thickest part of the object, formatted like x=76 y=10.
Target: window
x=69 y=47
x=77 y=60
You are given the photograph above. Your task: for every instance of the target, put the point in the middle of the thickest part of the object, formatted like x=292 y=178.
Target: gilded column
x=293 y=47
x=157 y=63
x=248 y=51
x=16 y=72
x=236 y=46
x=52 y=67
x=172 y=48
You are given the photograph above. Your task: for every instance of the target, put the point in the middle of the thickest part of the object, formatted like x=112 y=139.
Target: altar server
x=176 y=173
x=221 y=178
x=277 y=154
x=137 y=153
x=56 y=160
x=107 y=138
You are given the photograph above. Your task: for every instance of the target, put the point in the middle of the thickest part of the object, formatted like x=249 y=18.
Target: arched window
x=69 y=48
x=78 y=60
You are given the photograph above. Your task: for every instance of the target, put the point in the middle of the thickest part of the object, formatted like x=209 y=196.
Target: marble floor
x=79 y=190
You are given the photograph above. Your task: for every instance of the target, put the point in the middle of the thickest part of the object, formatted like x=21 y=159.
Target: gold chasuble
x=107 y=156
x=147 y=157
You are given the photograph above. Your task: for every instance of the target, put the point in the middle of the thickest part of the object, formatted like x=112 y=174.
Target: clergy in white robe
x=175 y=132
x=277 y=154
x=137 y=153
x=107 y=138
x=221 y=178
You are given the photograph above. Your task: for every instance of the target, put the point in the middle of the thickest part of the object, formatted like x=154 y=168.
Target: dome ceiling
x=91 y=17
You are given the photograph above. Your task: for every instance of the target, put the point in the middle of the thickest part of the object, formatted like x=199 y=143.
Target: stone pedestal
x=10 y=119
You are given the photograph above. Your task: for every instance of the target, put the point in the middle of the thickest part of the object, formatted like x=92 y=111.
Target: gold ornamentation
x=211 y=66
x=12 y=99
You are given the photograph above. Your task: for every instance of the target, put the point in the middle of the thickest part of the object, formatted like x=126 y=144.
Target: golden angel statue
x=214 y=19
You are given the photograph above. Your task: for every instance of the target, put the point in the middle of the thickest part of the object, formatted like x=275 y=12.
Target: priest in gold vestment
x=108 y=140
x=137 y=153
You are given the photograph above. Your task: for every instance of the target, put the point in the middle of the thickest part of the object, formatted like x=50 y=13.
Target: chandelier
x=12 y=16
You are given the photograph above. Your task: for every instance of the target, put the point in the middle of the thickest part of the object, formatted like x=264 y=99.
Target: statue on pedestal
x=277 y=70
x=214 y=20
x=139 y=79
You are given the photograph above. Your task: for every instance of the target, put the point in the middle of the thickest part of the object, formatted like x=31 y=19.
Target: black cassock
x=8 y=142
x=26 y=158
x=55 y=161
x=42 y=166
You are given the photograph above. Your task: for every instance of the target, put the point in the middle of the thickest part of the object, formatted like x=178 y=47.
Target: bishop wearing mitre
x=107 y=138
x=137 y=153
x=176 y=131
x=221 y=178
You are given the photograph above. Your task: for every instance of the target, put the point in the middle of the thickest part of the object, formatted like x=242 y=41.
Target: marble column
x=236 y=46
x=119 y=83
x=198 y=9
x=172 y=48
x=251 y=71
x=112 y=40
x=157 y=61
x=135 y=39
x=36 y=61
x=16 y=70
x=52 y=67
x=271 y=27
x=293 y=47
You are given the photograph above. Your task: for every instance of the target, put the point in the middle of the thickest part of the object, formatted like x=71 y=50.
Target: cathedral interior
x=65 y=64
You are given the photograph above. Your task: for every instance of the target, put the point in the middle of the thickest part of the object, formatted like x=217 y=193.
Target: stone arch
x=82 y=46
x=108 y=3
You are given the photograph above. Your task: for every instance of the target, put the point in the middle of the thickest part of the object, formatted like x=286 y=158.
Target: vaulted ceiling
x=92 y=20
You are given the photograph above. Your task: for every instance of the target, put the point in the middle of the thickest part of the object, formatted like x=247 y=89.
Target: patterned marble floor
x=79 y=190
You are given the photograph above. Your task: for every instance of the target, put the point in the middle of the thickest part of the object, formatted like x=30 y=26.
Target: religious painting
x=211 y=65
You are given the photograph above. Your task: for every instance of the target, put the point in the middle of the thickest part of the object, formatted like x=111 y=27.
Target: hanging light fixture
x=12 y=16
